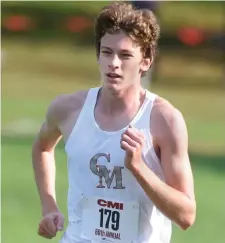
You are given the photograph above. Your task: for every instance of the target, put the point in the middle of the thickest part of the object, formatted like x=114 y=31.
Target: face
x=121 y=61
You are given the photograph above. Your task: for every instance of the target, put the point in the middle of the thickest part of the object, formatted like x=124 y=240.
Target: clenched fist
x=50 y=224
x=132 y=141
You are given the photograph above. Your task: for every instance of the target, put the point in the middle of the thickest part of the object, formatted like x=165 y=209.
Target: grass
x=33 y=74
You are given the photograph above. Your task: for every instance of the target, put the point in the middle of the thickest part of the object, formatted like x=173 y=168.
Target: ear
x=145 y=64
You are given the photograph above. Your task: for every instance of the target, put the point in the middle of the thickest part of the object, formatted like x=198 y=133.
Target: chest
x=114 y=122
x=96 y=150
x=97 y=158
x=96 y=164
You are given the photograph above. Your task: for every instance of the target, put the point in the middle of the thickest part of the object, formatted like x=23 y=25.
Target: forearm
x=44 y=171
x=171 y=202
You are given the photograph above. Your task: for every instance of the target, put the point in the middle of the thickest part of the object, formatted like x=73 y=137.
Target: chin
x=113 y=87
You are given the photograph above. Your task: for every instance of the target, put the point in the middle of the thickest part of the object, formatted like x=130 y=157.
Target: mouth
x=113 y=75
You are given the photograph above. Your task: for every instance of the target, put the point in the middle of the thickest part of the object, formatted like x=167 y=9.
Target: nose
x=114 y=62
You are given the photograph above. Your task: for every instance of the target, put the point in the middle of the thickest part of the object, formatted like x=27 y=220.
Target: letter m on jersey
x=102 y=172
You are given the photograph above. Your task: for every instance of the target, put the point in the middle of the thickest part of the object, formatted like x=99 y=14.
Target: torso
x=92 y=146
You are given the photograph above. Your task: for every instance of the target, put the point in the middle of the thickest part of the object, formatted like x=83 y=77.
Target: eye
x=106 y=52
x=126 y=55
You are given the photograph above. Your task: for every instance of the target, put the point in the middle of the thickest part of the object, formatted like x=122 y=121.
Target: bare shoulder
x=167 y=122
x=63 y=106
x=59 y=112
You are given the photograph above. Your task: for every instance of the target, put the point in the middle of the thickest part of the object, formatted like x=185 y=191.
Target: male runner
x=128 y=165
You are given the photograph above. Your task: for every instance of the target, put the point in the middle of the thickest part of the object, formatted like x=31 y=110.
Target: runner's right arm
x=43 y=158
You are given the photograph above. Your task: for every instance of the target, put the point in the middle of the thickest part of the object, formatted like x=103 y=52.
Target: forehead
x=119 y=41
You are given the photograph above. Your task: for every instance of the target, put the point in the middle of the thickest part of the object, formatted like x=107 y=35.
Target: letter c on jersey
x=102 y=202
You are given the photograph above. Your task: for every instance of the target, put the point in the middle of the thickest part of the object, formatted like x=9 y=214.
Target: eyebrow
x=122 y=50
x=106 y=47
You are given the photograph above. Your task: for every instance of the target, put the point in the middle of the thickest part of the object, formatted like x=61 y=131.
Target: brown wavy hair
x=139 y=24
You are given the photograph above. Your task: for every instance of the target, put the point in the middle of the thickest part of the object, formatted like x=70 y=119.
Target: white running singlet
x=105 y=202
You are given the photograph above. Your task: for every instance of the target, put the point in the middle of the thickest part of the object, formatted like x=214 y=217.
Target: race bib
x=108 y=220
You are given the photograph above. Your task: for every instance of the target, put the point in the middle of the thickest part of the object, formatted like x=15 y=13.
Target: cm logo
x=102 y=172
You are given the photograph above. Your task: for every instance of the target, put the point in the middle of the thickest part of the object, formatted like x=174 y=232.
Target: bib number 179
x=109 y=219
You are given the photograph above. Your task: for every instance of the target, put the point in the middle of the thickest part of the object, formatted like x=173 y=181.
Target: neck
x=116 y=102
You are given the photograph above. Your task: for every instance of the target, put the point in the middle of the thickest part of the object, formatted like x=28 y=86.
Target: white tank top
x=89 y=146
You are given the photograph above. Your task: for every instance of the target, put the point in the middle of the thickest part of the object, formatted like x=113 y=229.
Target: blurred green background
x=47 y=49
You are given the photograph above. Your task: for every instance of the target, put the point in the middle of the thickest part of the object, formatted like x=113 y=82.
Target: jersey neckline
x=133 y=121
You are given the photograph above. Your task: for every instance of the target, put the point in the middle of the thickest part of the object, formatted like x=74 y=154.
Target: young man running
x=128 y=165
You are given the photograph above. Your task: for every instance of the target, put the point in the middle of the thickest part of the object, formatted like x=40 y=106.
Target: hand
x=50 y=224
x=132 y=141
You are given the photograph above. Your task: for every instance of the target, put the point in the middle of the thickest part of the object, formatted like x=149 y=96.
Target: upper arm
x=50 y=134
x=172 y=139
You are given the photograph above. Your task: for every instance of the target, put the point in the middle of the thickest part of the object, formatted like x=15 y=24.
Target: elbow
x=188 y=219
x=40 y=149
x=35 y=148
x=187 y=222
